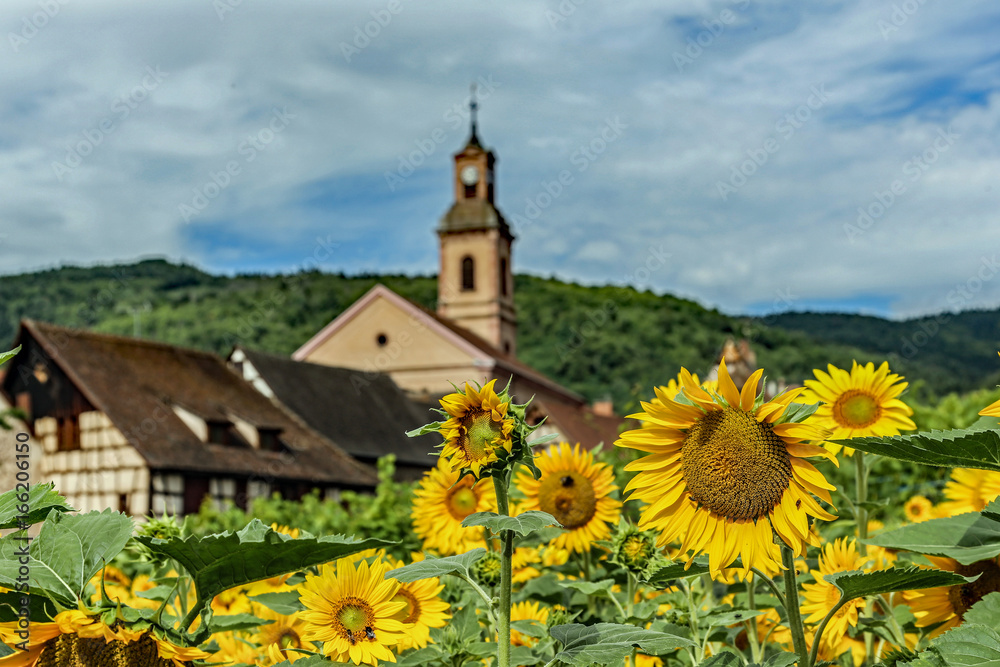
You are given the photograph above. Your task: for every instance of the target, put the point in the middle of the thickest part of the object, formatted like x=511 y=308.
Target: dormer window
x=224 y=433
x=269 y=440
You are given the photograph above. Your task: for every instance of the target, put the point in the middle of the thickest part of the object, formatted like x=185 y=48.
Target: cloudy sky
x=753 y=155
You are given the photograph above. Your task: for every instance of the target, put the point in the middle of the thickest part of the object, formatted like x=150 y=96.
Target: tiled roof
x=366 y=414
x=137 y=382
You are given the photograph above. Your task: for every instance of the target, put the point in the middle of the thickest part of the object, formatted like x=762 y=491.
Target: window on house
x=257 y=488
x=468 y=274
x=168 y=494
x=503 y=276
x=223 y=492
x=224 y=433
x=68 y=433
x=269 y=440
x=470 y=191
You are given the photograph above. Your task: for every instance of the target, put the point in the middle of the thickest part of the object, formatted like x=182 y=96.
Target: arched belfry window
x=503 y=276
x=468 y=274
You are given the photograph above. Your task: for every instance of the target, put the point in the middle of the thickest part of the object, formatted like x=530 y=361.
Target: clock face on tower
x=469 y=175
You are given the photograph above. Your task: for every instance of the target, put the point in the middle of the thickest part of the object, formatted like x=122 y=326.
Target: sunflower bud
x=635 y=550
x=486 y=570
x=162 y=528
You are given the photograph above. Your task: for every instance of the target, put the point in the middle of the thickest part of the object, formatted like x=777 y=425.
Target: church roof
x=366 y=414
x=469 y=214
x=137 y=383
x=466 y=340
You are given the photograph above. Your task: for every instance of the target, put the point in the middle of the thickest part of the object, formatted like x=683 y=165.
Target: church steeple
x=475 y=283
x=473 y=108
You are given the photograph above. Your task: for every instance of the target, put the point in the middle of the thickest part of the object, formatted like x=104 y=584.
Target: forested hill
x=599 y=341
x=952 y=351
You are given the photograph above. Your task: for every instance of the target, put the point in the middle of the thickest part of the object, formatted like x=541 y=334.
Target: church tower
x=475 y=282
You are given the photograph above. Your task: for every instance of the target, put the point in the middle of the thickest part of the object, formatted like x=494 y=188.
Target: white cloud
x=554 y=89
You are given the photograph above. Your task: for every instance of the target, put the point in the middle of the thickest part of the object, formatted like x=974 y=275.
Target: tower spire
x=473 y=113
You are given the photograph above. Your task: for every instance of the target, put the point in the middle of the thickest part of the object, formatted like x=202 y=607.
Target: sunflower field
x=727 y=529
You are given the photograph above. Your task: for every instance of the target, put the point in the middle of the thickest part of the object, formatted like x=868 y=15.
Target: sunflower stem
x=751 y=583
x=501 y=484
x=792 y=609
x=821 y=627
x=770 y=584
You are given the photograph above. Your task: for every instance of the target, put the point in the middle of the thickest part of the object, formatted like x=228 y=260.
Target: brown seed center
x=569 y=497
x=964 y=596
x=735 y=465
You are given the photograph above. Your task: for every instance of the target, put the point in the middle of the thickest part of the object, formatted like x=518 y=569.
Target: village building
x=365 y=415
x=141 y=427
x=473 y=334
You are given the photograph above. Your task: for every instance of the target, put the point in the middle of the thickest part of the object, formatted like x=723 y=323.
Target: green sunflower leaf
x=951 y=449
x=40 y=608
x=718 y=617
x=530 y=628
x=723 y=659
x=856 y=584
x=609 y=643
x=969 y=645
x=966 y=537
x=674 y=571
x=992 y=511
x=591 y=587
x=422 y=656
x=985 y=612
x=41 y=498
x=523 y=524
x=308 y=661
x=437 y=567
x=798 y=412
x=285 y=602
x=783 y=659
x=69 y=550
x=235 y=622
x=225 y=560
x=433 y=427
x=6 y=356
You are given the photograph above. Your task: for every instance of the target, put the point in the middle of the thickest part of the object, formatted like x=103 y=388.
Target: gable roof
x=486 y=354
x=137 y=382
x=366 y=414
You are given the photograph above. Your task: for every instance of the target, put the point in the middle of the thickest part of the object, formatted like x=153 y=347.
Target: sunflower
x=478 y=427
x=424 y=609
x=863 y=402
x=352 y=611
x=93 y=643
x=576 y=491
x=839 y=556
x=947 y=604
x=232 y=601
x=724 y=469
x=234 y=649
x=440 y=504
x=283 y=633
x=917 y=509
x=523 y=564
x=526 y=611
x=969 y=490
